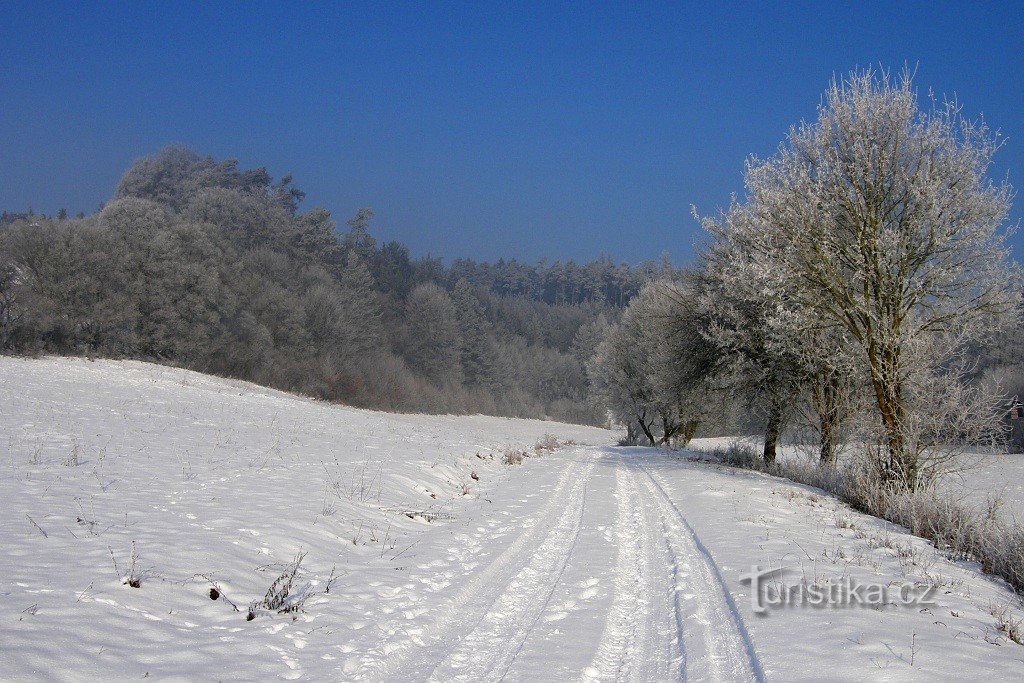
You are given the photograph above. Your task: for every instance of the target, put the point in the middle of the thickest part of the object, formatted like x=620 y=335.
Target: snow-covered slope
x=590 y=561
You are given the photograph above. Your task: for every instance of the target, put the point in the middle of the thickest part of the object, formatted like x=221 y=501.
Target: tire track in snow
x=630 y=648
x=413 y=652
x=723 y=651
x=489 y=650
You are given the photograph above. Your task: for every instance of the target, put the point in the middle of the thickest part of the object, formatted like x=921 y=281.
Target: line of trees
x=199 y=263
x=852 y=293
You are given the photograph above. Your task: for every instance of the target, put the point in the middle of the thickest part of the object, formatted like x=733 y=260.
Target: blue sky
x=473 y=129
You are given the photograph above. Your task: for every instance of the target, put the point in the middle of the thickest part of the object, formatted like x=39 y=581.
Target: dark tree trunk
x=668 y=429
x=828 y=417
x=772 y=432
x=901 y=467
x=828 y=451
x=647 y=428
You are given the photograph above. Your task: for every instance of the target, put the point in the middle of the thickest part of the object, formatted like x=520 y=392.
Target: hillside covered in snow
x=160 y=522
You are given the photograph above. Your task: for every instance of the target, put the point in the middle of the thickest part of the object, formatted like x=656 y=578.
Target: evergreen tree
x=476 y=351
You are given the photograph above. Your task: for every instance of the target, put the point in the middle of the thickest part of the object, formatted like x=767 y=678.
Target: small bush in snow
x=73 y=460
x=132 y=578
x=549 y=442
x=216 y=592
x=512 y=457
x=739 y=455
x=279 y=597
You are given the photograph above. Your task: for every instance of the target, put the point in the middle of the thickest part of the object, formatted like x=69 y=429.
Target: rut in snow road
x=659 y=608
x=717 y=646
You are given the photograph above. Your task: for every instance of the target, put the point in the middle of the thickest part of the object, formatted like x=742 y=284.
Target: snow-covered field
x=591 y=561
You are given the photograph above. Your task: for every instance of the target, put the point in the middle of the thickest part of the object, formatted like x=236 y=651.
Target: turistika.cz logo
x=768 y=592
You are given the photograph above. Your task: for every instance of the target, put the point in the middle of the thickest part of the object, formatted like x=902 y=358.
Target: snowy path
x=667 y=615
x=720 y=649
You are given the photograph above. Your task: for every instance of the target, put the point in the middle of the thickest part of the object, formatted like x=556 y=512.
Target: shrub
x=279 y=597
x=549 y=442
x=512 y=457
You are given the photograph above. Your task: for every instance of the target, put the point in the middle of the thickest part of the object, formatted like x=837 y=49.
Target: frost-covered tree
x=759 y=368
x=652 y=369
x=677 y=356
x=432 y=337
x=618 y=380
x=480 y=363
x=359 y=310
x=11 y=307
x=313 y=237
x=587 y=338
x=778 y=358
x=880 y=219
x=358 y=238
x=175 y=175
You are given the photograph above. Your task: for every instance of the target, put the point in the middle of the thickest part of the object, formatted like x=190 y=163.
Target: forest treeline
x=199 y=263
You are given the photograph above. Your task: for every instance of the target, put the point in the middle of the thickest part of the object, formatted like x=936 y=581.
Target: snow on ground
x=591 y=562
x=1000 y=476
x=984 y=476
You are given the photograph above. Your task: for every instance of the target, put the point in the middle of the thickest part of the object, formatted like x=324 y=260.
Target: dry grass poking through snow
x=959 y=531
x=1010 y=626
x=549 y=443
x=279 y=597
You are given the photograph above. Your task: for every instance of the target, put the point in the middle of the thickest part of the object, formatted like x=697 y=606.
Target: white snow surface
x=978 y=477
x=589 y=562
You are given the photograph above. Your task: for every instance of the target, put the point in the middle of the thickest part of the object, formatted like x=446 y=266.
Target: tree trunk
x=772 y=432
x=828 y=454
x=647 y=428
x=688 y=431
x=827 y=406
x=668 y=429
x=900 y=468
x=631 y=436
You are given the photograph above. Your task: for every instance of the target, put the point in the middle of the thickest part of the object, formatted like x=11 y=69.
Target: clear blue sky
x=473 y=129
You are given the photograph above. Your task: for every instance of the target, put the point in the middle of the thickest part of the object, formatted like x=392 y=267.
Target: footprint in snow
x=434 y=585
x=431 y=565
